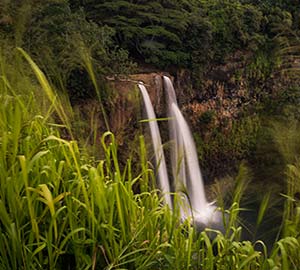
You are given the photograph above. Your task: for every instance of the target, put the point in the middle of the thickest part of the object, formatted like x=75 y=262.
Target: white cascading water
x=195 y=184
x=183 y=139
x=157 y=145
x=177 y=155
x=177 y=147
x=185 y=166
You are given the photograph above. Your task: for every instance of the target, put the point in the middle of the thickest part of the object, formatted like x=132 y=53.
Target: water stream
x=158 y=149
x=185 y=166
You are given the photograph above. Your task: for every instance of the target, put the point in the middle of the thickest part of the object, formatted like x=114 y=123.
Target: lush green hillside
x=166 y=34
x=71 y=197
x=62 y=209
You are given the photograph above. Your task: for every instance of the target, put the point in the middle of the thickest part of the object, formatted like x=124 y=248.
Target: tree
x=234 y=25
x=60 y=40
x=150 y=30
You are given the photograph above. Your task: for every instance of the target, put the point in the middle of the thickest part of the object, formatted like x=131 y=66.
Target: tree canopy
x=163 y=33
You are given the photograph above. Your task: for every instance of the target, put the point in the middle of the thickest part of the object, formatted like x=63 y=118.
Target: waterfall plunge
x=185 y=167
x=157 y=145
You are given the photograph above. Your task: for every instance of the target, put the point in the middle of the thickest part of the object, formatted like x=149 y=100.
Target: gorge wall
x=227 y=94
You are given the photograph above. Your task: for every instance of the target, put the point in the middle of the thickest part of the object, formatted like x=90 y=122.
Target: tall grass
x=58 y=210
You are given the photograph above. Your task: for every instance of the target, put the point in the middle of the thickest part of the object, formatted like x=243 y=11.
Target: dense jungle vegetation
x=72 y=197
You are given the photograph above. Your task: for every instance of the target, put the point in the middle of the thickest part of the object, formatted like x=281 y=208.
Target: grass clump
x=60 y=210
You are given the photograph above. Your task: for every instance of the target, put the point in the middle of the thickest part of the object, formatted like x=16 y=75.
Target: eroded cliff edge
x=229 y=94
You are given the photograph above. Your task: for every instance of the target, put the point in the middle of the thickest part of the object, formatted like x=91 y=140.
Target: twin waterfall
x=186 y=174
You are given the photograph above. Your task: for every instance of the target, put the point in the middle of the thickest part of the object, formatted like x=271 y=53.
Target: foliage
x=60 y=209
x=164 y=34
x=235 y=25
x=144 y=29
x=195 y=34
x=161 y=40
x=70 y=35
x=59 y=40
x=227 y=151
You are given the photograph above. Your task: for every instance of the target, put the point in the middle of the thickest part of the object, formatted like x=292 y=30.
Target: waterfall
x=185 y=166
x=157 y=145
x=177 y=149
x=195 y=186
x=184 y=151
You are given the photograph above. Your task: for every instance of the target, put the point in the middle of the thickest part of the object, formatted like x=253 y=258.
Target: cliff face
x=226 y=93
x=215 y=107
x=125 y=108
x=222 y=97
